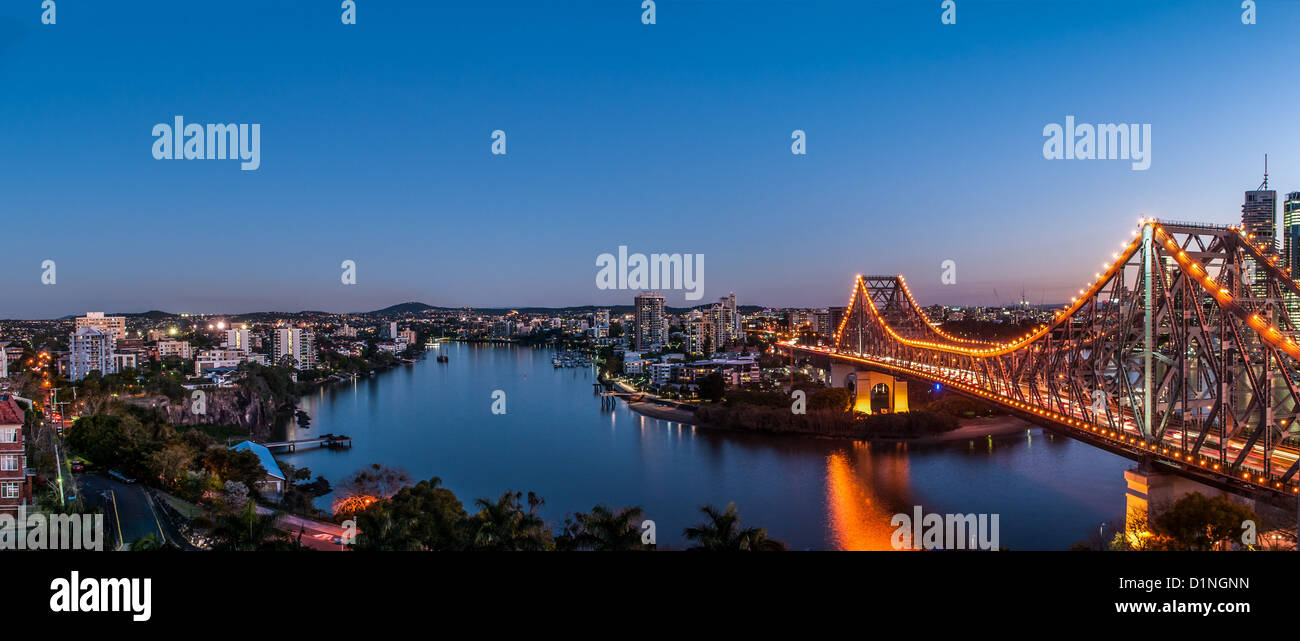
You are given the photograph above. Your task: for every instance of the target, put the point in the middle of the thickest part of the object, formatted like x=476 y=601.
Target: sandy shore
x=666 y=413
x=975 y=428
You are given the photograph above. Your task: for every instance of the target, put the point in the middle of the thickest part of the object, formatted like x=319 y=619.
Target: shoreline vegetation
x=828 y=414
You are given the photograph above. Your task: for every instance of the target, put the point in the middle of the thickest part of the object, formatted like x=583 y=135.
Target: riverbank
x=655 y=410
x=970 y=428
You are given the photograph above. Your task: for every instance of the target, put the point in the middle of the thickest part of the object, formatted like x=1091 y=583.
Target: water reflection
x=557 y=440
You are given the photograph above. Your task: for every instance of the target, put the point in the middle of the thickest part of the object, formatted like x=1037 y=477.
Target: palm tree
x=248 y=530
x=606 y=530
x=148 y=543
x=721 y=532
x=504 y=525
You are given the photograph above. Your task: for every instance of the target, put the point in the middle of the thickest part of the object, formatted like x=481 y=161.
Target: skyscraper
x=651 y=325
x=1291 y=232
x=1259 y=220
x=1291 y=248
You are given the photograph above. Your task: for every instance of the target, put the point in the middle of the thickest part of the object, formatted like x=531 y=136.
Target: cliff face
x=220 y=406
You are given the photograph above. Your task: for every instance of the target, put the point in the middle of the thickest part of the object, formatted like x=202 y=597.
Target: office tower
x=296 y=347
x=651 y=325
x=1291 y=233
x=91 y=349
x=1291 y=249
x=1259 y=221
x=112 y=325
x=601 y=318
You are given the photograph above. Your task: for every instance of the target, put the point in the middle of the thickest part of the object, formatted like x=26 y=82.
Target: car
x=121 y=477
x=78 y=466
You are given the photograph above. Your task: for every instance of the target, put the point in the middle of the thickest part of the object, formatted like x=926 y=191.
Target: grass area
x=187 y=509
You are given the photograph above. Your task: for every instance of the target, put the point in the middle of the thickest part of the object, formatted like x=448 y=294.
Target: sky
x=924 y=144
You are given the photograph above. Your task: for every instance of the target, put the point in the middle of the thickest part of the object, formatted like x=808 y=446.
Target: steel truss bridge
x=1181 y=350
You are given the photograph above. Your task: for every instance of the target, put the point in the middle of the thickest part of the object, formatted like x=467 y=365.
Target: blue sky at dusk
x=924 y=144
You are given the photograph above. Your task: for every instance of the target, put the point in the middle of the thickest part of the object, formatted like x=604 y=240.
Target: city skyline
x=924 y=145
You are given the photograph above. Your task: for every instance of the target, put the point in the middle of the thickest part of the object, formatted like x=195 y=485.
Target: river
x=436 y=419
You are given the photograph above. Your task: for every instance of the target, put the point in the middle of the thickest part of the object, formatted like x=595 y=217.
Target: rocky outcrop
x=217 y=406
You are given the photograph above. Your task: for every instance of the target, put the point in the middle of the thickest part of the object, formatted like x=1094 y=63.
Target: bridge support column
x=1150 y=493
x=863 y=382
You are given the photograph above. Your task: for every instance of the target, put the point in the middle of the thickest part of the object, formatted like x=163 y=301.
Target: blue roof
x=268 y=462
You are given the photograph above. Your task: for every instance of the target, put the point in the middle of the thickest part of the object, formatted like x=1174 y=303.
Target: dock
x=331 y=441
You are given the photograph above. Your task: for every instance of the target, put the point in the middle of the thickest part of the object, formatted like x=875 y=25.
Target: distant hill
x=405 y=308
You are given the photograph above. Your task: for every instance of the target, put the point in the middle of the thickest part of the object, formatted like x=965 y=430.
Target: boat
x=442 y=358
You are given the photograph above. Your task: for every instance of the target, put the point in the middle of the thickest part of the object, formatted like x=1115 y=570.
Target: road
x=317 y=535
x=129 y=511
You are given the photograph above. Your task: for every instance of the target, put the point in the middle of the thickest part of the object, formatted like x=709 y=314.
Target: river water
x=436 y=419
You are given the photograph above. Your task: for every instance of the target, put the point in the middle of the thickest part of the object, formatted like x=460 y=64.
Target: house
x=274 y=481
x=15 y=477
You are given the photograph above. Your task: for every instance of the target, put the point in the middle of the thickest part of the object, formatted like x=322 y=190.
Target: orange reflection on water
x=857 y=518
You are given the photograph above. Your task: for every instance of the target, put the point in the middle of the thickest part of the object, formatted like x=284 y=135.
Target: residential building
x=296 y=345
x=238 y=339
x=91 y=349
x=273 y=482
x=650 y=329
x=15 y=477
x=179 y=349
x=112 y=325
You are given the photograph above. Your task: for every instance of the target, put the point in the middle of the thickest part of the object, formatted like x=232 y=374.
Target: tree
x=246 y=530
x=425 y=516
x=713 y=387
x=721 y=532
x=369 y=484
x=603 y=529
x=1198 y=522
x=503 y=525
x=172 y=461
x=230 y=465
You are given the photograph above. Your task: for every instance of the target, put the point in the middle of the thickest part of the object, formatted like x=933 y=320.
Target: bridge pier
x=863 y=382
x=1151 y=492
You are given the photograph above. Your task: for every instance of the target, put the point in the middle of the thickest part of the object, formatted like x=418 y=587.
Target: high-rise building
x=651 y=324
x=1291 y=249
x=295 y=344
x=737 y=330
x=91 y=349
x=113 y=325
x=1291 y=233
x=1259 y=221
x=700 y=335
x=601 y=318
x=4 y=360
x=238 y=339
x=1259 y=213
